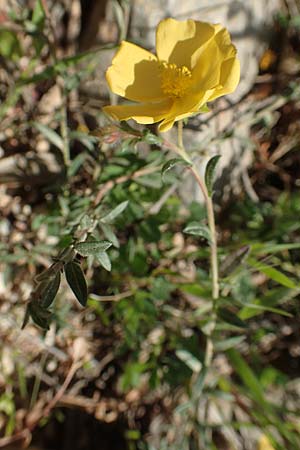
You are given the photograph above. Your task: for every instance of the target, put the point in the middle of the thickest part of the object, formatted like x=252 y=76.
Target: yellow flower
x=264 y=443
x=195 y=63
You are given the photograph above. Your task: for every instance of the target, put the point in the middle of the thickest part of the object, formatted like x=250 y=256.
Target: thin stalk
x=64 y=129
x=60 y=82
x=213 y=263
x=213 y=248
x=180 y=138
x=37 y=381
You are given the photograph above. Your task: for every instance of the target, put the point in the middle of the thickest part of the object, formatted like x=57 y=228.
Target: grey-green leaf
x=152 y=139
x=50 y=134
x=274 y=274
x=171 y=163
x=190 y=360
x=104 y=260
x=111 y=216
x=226 y=344
x=196 y=229
x=210 y=173
x=76 y=281
x=248 y=376
x=109 y=234
x=38 y=15
x=50 y=290
x=86 y=222
x=92 y=248
x=231 y=318
x=233 y=260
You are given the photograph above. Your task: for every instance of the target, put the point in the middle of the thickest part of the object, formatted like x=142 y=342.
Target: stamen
x=175 y=81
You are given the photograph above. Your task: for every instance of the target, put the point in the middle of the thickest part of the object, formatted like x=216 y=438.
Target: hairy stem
x=180 y=138
x=213 y=263
x=213 y=248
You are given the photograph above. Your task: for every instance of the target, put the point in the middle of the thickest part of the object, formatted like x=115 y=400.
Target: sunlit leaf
x=104 y=260
x=274 y=274
x=109 y=234
x=197 y=229
x=92 y=248
x=112 y=215
x=38 y=15
x=9 y=45
x=190 y=360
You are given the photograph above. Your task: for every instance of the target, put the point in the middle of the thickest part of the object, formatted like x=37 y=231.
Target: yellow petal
x=209 y=60
x=135 y=74
x=176 y=41
x=229 y=78
x=142 y=113
x=264 y=443
x=206 y=74
x=183 y=108
x=223 y=40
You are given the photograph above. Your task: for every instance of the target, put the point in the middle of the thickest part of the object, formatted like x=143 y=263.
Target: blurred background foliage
x=127 y=370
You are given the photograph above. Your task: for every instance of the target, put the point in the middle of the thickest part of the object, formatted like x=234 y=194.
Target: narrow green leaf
x=229 y=343
x=50 y=290
x=275 y=275
x=111 y=216
x=231 y=318
x=87 y=140
x=38 y=15
x=47 y=74
x=258 y=309
x=76 y=164
x=9 y=45
x=172 y=163
x=109 y=234
x=247 y=375
x=151 y=138
x=86 y=222
x=197 y=229
x=263 y=248
x=76 y=281
x=190 y=360
x=204 y=109
x=210 y=172
x=50 y=134
x=269 y=302
x=233 y=260
x=153 y=180
x=92 y=248
x=104 y=260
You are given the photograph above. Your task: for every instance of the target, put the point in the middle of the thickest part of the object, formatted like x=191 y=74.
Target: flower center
x=174 y=80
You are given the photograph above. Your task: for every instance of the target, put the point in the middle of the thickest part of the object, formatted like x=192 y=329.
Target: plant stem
x=213 y=248
x=64 y=129
x=179 y=130
x=213 y=264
